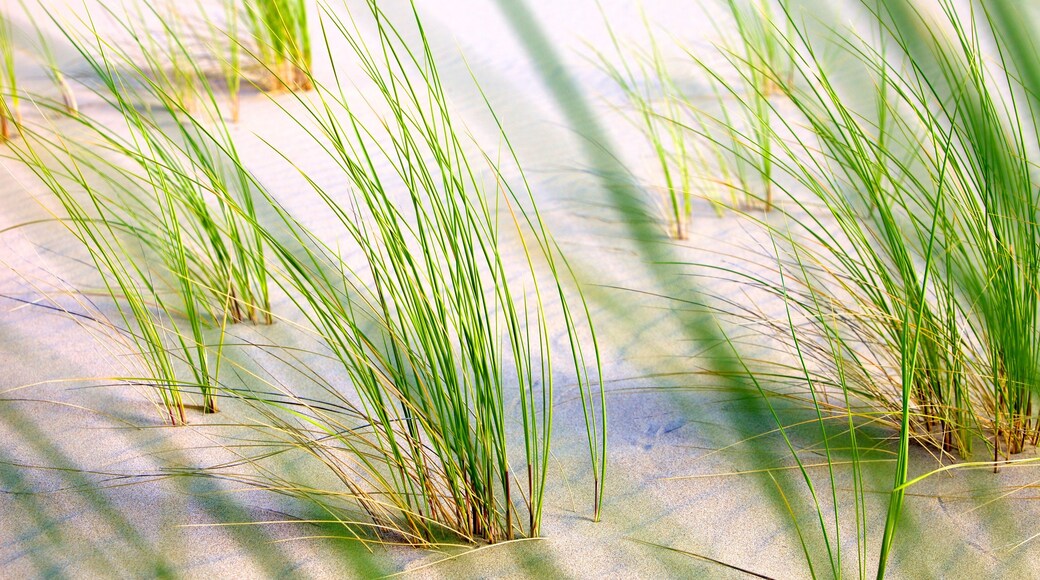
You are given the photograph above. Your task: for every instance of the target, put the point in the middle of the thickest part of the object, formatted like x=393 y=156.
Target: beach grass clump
x=196 y=50
x=909 y=220
x=655 y=105
x=907 y=259
x=436 y=334
x=174 y=178
x=704 y=144
x=280 y=30
x=142 y=314
x=265 y=43
x=936 y=214
x=755 y=56
x=163 y=205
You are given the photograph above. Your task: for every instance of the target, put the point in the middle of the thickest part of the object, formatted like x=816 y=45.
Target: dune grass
x=165 y=216
x=280 y=30
x=436 y=337
x=435 y=334
x=907 y=256
x=656 y=110
x=273 y=34
x=10 y=111
x=127 y=284
x=263 y=42
x=199 y=208
x=906 y=265
x=757 y=52
x=702 y=151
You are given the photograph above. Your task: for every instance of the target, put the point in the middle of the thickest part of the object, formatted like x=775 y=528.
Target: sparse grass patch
x=657 y=109
x=10 y=111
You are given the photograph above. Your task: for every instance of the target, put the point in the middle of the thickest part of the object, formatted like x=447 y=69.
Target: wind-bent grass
x=200 y=221
x=429 y=324
x=148 y=314
x=126 y=283
x=164 y=208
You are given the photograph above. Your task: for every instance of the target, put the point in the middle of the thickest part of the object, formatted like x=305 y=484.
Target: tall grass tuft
x=657 y=109
x=280 y=30
x=436 y=334
x=702 y=150
x=140 y=313
x=197 y=208
x=758 y=52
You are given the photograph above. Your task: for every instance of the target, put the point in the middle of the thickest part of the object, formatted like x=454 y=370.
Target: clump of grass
x=429 y=324
x=908 y=261
x=280 y=30
x=657 y=110
x=739 y=127
x=184 y=48
x=144 y=316
x=200 y=207
x=953 y=183
x=758 y=52
x=269 y=37
x=164 y=207
x=720 y=152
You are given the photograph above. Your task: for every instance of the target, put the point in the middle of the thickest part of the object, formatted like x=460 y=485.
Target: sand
x=87 y=489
